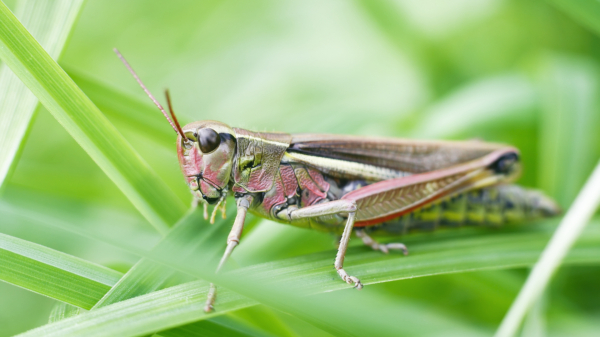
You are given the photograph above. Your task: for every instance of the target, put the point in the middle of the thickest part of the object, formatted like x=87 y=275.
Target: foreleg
x=232 y=241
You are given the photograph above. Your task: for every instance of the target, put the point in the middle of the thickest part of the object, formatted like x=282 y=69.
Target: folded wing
x=407 y=156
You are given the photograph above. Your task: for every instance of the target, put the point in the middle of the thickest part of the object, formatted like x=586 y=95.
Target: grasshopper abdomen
x=492 y=206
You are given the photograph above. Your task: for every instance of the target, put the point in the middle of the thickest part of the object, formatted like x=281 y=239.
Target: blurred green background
x=521 y=72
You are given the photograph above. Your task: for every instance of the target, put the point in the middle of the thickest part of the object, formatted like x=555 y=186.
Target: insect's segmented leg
x=339 y=258
x=367 y=240
x=232 y=241
x=329 y=208
x=326 y=208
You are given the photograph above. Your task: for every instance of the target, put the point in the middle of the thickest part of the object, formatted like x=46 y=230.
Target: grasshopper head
x=205 y=149
x=206 y=157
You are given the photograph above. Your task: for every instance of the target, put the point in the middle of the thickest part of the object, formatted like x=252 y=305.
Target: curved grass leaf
x=147 y=276
x=442 y=252
x=215 y=327
x=448 y=252
x=86 y=124
x=50 y=22
x=176 y=305
x=54 y=274
x=63 y=310
x=144 y=314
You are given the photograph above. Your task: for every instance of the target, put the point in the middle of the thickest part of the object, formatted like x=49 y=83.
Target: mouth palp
x=196 y=188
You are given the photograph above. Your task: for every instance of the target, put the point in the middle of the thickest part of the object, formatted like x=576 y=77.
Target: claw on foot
x=352 y=280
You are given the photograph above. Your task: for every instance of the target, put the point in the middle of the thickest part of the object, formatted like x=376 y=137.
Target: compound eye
x=208 y=139
x=505 y=163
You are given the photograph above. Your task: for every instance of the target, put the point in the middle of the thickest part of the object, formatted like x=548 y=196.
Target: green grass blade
x=570 y=228
x=50 y=22
x=147 y=276
x=144 y=314
x=54 y=274
x=448 y=253
x=63 y=310
x=176 y=305
x=86 y=124
x=216 y=327
x=585 y=12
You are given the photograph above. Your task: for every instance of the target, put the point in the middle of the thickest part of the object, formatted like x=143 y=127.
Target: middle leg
x=341 y=254
x=330 y=208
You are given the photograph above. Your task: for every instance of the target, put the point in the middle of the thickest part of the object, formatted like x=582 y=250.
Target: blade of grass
x=449 y=254
x=147 y=276
x=216 y=327
x=63 y=310
x=145 y=314
x=58 y=275
x=50 y=22
x=86 y=124
x=446 y=252
x=563 y=239
x=301 y=277
x=54 y=274
x=274 y=322
x=178 y=304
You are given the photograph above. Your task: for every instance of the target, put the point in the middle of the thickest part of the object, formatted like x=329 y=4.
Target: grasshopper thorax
x=206 y=158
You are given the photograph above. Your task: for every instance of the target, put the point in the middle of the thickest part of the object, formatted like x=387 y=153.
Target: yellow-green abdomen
x=493 y=206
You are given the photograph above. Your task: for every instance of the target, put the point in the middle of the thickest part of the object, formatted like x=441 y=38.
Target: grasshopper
x=349 y=184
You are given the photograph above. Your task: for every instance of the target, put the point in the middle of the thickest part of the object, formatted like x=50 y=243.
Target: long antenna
x=173 y=113
x=176 y=128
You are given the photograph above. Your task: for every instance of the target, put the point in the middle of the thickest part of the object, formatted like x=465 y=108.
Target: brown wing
x=404 y=155
x=390 y=199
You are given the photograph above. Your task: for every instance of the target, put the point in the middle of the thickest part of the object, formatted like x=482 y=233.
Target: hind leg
x=367 y=240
